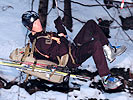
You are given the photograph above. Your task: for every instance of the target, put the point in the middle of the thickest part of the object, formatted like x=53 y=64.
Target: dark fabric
x=109 y=3
x=59 y=26
x=94 y=49
x=127 y=23
x=67 y=19
x=53 y=50
x=91 y=39
x=104 y=25
x=89 y=32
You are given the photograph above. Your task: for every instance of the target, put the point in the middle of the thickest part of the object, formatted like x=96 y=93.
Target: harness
x=63 y=60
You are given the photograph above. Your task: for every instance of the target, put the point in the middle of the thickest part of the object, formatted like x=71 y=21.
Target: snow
x=13 y=36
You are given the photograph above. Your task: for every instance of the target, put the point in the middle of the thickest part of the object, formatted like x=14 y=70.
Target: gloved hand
x=59 y=26
x=58 y=21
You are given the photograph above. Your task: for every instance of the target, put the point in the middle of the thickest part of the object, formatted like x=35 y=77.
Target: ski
x=41 y=69
x=46 y=66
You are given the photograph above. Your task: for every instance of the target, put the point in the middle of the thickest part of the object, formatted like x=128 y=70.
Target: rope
x=56 y=4
x=49 y=11
x=32 y=5
x=26 y=37
x=73 y=61
x=27 y=29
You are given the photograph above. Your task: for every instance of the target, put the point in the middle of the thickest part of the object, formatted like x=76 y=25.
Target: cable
x=32 y=5
x=116 y=21
x=27 y=29
x=26 y=37
x=56 y=4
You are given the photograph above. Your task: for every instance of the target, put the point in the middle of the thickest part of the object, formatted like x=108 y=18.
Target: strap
x=114 y=49
x=31 y=53
x=34 y=42
x=53 y=70
x=70 y=53
x=59 y=60
x=63 y=60
x=27 y=76
x=40 y=52
x=46 y=37
x=33 y=46
x=26 y=53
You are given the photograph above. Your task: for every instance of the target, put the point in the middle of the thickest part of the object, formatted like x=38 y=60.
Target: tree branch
x=72 y=17
x=100 y=5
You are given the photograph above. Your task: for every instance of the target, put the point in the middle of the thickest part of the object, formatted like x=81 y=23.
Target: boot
x=110 y=82
x=111 y=51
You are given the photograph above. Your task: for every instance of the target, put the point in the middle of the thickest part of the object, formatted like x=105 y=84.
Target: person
x=90 y=41
x=104 y=25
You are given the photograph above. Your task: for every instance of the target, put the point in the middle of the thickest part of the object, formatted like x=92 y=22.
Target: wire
x=27 y=29
x=26 y=37
x=32 y=5
x=56 y=4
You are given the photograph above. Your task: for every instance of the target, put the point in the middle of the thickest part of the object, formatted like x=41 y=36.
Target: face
x=37 y=27
x=100 y=20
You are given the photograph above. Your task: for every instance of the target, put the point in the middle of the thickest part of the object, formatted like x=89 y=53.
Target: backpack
x=22 y=54
x=26 y=54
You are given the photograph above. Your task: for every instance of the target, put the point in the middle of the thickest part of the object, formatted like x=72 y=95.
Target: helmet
x=28 y=19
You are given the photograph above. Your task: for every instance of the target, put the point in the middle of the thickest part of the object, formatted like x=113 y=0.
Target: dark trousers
x=89 y=41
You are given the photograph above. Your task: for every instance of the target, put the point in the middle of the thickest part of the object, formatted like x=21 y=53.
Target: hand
x=46 y=56
x=56 y=39
x=61 y=34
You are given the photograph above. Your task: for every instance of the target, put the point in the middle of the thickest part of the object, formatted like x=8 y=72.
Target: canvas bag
x=22 y=54
x=26 y=54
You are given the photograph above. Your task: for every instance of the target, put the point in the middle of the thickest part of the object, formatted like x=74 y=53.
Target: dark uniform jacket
x=48 y=47
x=51 y=47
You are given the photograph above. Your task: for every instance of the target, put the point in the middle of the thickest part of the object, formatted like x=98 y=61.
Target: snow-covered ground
x=13 y=36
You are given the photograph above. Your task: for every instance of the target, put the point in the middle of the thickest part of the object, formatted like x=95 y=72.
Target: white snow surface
x=13 y=36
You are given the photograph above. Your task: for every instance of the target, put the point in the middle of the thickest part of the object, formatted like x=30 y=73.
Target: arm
x=56 y=39
x=59 y=26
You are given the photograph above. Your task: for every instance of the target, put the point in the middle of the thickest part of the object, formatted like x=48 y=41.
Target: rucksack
x=26 y=54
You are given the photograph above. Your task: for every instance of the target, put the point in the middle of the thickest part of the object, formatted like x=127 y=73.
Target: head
x=31 y=21
x=100 y=20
